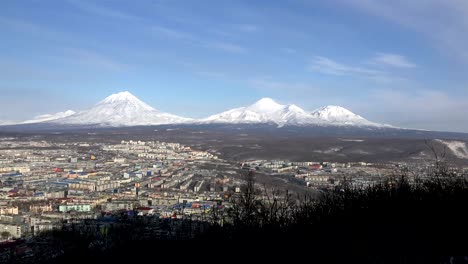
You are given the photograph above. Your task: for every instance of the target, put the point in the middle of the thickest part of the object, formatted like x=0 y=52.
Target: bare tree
x=439 y=156
x=5 y=234
x=276 y=207
x=440 y=171
x=245 y=205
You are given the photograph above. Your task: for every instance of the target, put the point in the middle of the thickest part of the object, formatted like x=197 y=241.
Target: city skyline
x=199 y=59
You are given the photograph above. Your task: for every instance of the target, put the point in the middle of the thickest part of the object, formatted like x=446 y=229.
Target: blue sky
x=393 y=62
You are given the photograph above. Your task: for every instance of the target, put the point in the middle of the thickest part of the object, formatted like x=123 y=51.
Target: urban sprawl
x=45 y=185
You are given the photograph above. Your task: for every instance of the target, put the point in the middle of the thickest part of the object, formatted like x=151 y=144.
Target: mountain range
x=266 y=110
x=124 y=110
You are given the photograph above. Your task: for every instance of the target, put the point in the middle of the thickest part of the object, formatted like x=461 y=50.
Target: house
x=75 y=207
x=8 y=210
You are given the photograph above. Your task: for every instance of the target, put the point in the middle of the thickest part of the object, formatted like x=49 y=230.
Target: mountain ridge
x=266 y=110
x=124 y=109
x=49 y=117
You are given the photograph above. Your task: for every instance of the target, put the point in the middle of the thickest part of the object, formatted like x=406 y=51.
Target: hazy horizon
x=395 y=63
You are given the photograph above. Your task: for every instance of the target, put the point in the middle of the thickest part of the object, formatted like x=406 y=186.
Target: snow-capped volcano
x=294 y=115
x=121 y=109
x=266 y=110
x=338 y=115
x=265 y=105
x=49 y=117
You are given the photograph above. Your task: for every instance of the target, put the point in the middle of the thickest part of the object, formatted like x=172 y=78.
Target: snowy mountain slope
x=294 y=115
x=121 y=109
x=49 y=117
x=263 y=111
x=5 y=122
x=265 y=105
x=337 y=115
x=266 y=110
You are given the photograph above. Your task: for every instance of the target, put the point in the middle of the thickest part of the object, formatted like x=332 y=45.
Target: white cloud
x=393 y=60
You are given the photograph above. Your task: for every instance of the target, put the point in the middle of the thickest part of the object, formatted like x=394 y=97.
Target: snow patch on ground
x=458 y=148
x=362 y=152
x=352 y=140
x=329 y=151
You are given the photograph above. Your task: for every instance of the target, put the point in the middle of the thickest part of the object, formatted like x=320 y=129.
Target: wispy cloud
x=427 y=109
x=280 y=86
x=19 y=24
x=93 y=59
x=14 y=70
x=62 y=51
x=197 y=40
x=248 y=28
x=171 y=33
x=33 y=100
x=443 y=22
x=211 y=74
x=33 y=28
x=235 y=31
x=329 y=66
x=393 y=60
x=225 y=46
x=289 y=50
x=99 y=10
